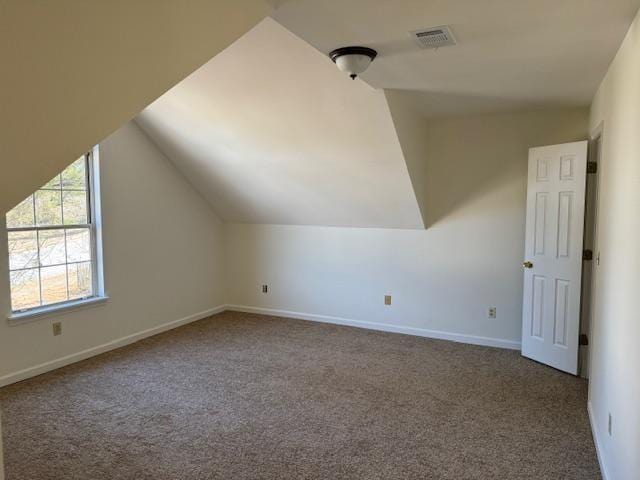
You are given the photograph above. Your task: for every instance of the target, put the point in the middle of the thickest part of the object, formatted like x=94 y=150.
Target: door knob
x=527 y=265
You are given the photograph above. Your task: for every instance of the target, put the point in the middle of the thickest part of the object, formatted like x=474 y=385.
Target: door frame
x=596 y=142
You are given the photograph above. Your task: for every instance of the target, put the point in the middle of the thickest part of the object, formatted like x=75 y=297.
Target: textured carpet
x=241 y=396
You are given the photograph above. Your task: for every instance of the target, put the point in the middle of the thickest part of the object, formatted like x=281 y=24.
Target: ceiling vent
x=434 y=37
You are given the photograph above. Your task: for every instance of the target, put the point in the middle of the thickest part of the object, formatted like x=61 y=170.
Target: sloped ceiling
x=73 y=71
x=511 y=54
x=269 y=131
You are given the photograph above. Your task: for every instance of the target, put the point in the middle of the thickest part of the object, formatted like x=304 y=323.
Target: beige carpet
x=241 y=396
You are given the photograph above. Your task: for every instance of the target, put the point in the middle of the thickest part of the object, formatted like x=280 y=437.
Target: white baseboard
x=121 y=342
x=596 y=440
x=91 y=352
x=384 y=327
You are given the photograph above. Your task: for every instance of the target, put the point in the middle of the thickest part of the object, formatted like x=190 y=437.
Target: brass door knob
x=527 y=265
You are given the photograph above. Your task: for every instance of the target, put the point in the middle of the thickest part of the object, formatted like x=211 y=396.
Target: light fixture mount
x=353 y=60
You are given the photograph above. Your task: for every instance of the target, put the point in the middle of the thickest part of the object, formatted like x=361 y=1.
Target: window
x=53 y=249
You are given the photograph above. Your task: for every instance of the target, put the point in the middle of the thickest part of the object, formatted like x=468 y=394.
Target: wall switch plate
x=492 y=312
x=265 y=288
x=387 y=299
x=57 y=329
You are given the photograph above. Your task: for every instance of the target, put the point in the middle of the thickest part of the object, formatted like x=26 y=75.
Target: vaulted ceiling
x=73 y=71
x=269 y=131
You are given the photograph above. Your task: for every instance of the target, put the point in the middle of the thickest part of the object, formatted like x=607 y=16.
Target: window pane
x=21 y=215
x=74 y=176
x=25 y=289
x=23 y=250
x=54 y=284
x=48 y=208
x=54 y=183
x=74 y=206
x=50 y=241
x=80 y=280
x=51 y=247
x=78 y=245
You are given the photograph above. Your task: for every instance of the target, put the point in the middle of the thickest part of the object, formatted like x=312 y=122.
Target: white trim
x=96 y=221
x=91 y=352
x=93 y=225
x=384 y=327
x=121 y=342
x=596 y=440
x=19 y=318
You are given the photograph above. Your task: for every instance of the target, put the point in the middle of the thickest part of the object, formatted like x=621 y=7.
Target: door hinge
x=592 y=167
x=587 y=255
x=584 y=340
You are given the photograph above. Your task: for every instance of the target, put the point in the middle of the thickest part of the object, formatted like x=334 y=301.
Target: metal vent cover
x=434 y=37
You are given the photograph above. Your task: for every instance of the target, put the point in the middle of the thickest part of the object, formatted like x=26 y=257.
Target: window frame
x=93 y=225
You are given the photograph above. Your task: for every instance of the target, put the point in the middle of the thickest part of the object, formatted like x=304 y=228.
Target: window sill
x=18 y=318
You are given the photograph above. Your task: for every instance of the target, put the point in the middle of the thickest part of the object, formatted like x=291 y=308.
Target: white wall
x=162 y=252
x=441 y=279
x=615 y=356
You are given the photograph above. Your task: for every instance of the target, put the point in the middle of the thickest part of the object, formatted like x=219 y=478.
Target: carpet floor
x=241 y=396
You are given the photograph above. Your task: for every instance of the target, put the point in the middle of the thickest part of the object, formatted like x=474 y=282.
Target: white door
x=553 y=254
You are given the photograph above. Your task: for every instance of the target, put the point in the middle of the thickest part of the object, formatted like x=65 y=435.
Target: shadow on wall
x=453 y=159
x=460 y=174
x=434 y=104
x=448 y=198
x=472 y=157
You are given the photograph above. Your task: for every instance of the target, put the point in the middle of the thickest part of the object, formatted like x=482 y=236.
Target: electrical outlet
x=610 y=426
x=57 y=329
x=492 y=312
x=265 y=288
x=387 y=299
